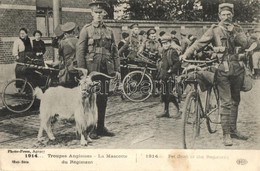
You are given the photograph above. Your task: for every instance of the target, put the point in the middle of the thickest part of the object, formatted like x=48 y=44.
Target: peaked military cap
x=98 y=5
x=162 y=33
x=69 y=26
x=151 y=31
x=166 y=38
x=134 y=25
x=226 y=7
x=125 y=35
x=173 y=32
x=142 y=32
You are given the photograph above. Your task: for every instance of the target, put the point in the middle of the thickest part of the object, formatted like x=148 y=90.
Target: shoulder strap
x=71 y=45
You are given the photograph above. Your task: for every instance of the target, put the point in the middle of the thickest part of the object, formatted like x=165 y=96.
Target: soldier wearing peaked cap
x=97 y=51
x=151 y=47
x=132 y=44
x=230 y=74
x=67 y=52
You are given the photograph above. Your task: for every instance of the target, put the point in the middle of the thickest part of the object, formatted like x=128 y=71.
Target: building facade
x=36 y=15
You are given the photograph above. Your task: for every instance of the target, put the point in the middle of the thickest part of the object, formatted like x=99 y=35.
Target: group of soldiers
x=96 y=50
x=147 y=43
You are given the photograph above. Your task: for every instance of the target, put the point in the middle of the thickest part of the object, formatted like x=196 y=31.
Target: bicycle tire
x=212 y=110
x=135 y=80
x=18 y=102
x=190 y=120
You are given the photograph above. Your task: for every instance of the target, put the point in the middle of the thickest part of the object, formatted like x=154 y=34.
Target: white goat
x=79 y=101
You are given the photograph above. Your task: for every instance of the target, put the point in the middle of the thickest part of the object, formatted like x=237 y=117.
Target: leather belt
x=101 y=50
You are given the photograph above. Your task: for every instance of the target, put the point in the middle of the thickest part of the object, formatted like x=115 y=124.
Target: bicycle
x=18 y=94
x=193 y=111
x=138 y=85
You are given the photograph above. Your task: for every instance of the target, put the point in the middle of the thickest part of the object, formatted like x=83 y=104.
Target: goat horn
x=84 y=71
x=94 y=73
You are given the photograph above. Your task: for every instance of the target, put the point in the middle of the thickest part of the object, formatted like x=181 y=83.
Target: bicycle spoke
x=212 y=108
x=190 y=121
x=18 y=96
x=137 y=86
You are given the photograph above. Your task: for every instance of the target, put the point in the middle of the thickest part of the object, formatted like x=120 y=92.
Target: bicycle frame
x=144 y=71
x=48 y=76
x=203 y=113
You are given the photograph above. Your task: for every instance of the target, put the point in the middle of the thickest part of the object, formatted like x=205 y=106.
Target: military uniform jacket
x=131 y=46
x=67 y=51
x=219 y=36
x=170 y=61
x=152 y=46
x=96 y=49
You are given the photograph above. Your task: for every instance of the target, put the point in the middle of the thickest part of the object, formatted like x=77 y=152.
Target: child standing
x=168 y=67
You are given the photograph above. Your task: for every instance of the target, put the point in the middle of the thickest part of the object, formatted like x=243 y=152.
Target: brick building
x=33 y=15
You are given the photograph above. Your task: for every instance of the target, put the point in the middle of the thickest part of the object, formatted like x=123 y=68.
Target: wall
x=195 y=28
x=15 y=14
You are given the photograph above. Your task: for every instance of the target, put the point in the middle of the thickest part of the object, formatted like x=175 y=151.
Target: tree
x=164 y=10
x=188 y=10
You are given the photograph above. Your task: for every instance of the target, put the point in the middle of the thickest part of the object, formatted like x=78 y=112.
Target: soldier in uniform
x=67 y=52
x=225 y=37
x=132 y=45
x=97 y=51
x=169 y=66
x=151 y=47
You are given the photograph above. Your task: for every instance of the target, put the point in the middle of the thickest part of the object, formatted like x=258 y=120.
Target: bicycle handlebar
x=200 y=61
x=138 y=67
x=37 y=66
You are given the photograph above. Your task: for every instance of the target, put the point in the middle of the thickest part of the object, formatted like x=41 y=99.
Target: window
x=44 y=20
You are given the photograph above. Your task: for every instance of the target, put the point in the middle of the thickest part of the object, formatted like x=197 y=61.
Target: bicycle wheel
x=137 y=86
x=18 y=96
x=212 y=110
x=191 y=120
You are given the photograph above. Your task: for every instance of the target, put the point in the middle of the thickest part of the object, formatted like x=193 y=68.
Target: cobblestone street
x=135 y=126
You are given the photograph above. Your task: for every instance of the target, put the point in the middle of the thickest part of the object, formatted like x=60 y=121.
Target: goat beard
x=87 y=117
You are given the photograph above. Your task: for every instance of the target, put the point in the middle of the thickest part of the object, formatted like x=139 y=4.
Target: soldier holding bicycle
x=226 y=38
x=151 y=47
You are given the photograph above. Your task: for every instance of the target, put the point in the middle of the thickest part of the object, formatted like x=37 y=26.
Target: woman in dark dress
x=38 y=47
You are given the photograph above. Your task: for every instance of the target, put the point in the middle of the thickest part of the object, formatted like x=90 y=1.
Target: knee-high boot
x=101 y=106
